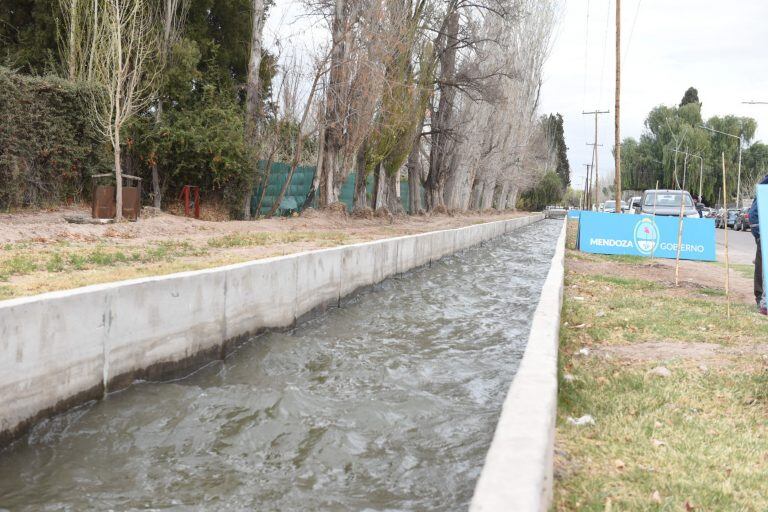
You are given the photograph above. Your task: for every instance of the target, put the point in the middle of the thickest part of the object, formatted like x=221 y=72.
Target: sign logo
x=646 y=235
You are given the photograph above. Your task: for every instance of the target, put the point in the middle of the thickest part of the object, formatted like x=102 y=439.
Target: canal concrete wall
x=518 y=470
x=64 y=348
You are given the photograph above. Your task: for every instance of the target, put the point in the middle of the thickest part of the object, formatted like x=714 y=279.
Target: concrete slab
x=318 y=280
x=260 y=295
x=50 y=349
x=518 y=473
x=163 y=320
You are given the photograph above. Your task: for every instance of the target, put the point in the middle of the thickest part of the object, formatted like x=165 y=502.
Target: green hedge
x=48 y=148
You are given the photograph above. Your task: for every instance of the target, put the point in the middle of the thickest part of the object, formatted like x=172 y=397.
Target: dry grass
x=30 y=268
x=695 y=440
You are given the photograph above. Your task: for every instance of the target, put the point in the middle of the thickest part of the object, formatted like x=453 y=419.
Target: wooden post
x=655 y=200
x=617 y=132
x=727 y=265
x=679 y=238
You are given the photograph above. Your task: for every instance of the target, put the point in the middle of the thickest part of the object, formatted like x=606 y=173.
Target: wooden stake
x=617 y=132
x=679 y=238
x=655 y=200
x=727 y=266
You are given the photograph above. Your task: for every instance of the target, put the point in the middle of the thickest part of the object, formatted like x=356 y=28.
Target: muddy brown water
x=387 y=403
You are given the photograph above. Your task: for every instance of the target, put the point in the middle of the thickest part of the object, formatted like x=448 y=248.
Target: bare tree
x=126 y=43
x=71 y=40
x=299 y=145
x=253 y=112
x=490 y=152
x=352 y=91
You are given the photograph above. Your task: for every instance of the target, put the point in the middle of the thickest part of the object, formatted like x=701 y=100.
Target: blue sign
x=762 y=213
x=574 y=214
x=645 y=235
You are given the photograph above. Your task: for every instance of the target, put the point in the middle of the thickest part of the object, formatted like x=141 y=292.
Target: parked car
x=742 y=220
x=727 y=219
x=668 y=202
x=635 y=204
x=610 y=207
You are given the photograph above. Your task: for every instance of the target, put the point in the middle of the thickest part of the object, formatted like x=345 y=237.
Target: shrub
x=48 y=149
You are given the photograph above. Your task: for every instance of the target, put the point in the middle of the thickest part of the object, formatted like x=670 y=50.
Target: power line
x=632 y=31
x=605 y=48
x=586 y=58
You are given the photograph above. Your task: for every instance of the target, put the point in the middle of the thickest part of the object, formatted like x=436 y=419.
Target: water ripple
x=388 y=403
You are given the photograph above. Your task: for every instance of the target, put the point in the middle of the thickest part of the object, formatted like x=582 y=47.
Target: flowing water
x=388 y=403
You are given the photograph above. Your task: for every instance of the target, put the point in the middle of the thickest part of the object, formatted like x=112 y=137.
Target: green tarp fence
x=300 y=186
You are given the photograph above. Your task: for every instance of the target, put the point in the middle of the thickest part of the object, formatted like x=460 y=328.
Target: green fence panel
x=300 y=185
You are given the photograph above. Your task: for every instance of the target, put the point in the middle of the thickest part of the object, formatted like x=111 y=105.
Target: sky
x=721 y=48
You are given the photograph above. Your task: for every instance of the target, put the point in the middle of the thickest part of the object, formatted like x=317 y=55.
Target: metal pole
x=617 y=133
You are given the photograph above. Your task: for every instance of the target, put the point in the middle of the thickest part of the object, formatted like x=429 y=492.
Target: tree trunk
x=265 y=182
x=361 y=193
x=512 y=199
x=316 y=177
x=118 y=179
x=334 y=133
x=441 y=123
x=392 y=193
x=253 y=100
x=414 y=179
x=156 y=192
x=379 y=182
x=489 y=189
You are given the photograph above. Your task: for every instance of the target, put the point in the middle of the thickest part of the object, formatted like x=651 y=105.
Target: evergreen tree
x=690 y=96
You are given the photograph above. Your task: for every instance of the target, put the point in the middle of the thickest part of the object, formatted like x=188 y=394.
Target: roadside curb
x=518 y=471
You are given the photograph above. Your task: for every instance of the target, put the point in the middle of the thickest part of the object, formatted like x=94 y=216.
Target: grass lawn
x=678 y=394
x=31 y=267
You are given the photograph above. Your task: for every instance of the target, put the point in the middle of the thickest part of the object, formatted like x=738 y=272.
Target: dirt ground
x=40 y=251
x=693 y=275
x=46 y=226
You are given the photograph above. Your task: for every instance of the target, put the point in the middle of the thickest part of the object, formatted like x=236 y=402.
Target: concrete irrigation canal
x=387 y=403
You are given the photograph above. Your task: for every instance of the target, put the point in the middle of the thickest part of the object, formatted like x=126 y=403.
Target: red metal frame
x=186 y=191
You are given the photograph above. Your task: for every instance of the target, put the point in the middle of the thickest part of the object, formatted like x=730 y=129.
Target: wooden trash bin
x=104 y=204
x=131 y=203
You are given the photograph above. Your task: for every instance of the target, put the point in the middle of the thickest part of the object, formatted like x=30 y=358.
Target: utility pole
x=595 y=176
x=587 y=198
x=596 y=113
x=594 y=145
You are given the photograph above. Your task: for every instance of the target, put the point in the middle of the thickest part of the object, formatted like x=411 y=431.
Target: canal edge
x=48 y=365
x=518 y=470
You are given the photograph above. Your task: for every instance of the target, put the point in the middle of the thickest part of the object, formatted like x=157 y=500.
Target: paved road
x=741 y=246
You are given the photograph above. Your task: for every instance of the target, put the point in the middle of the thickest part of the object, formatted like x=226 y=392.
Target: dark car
x=742 y=220
x=668 y=202
x=727 y=219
